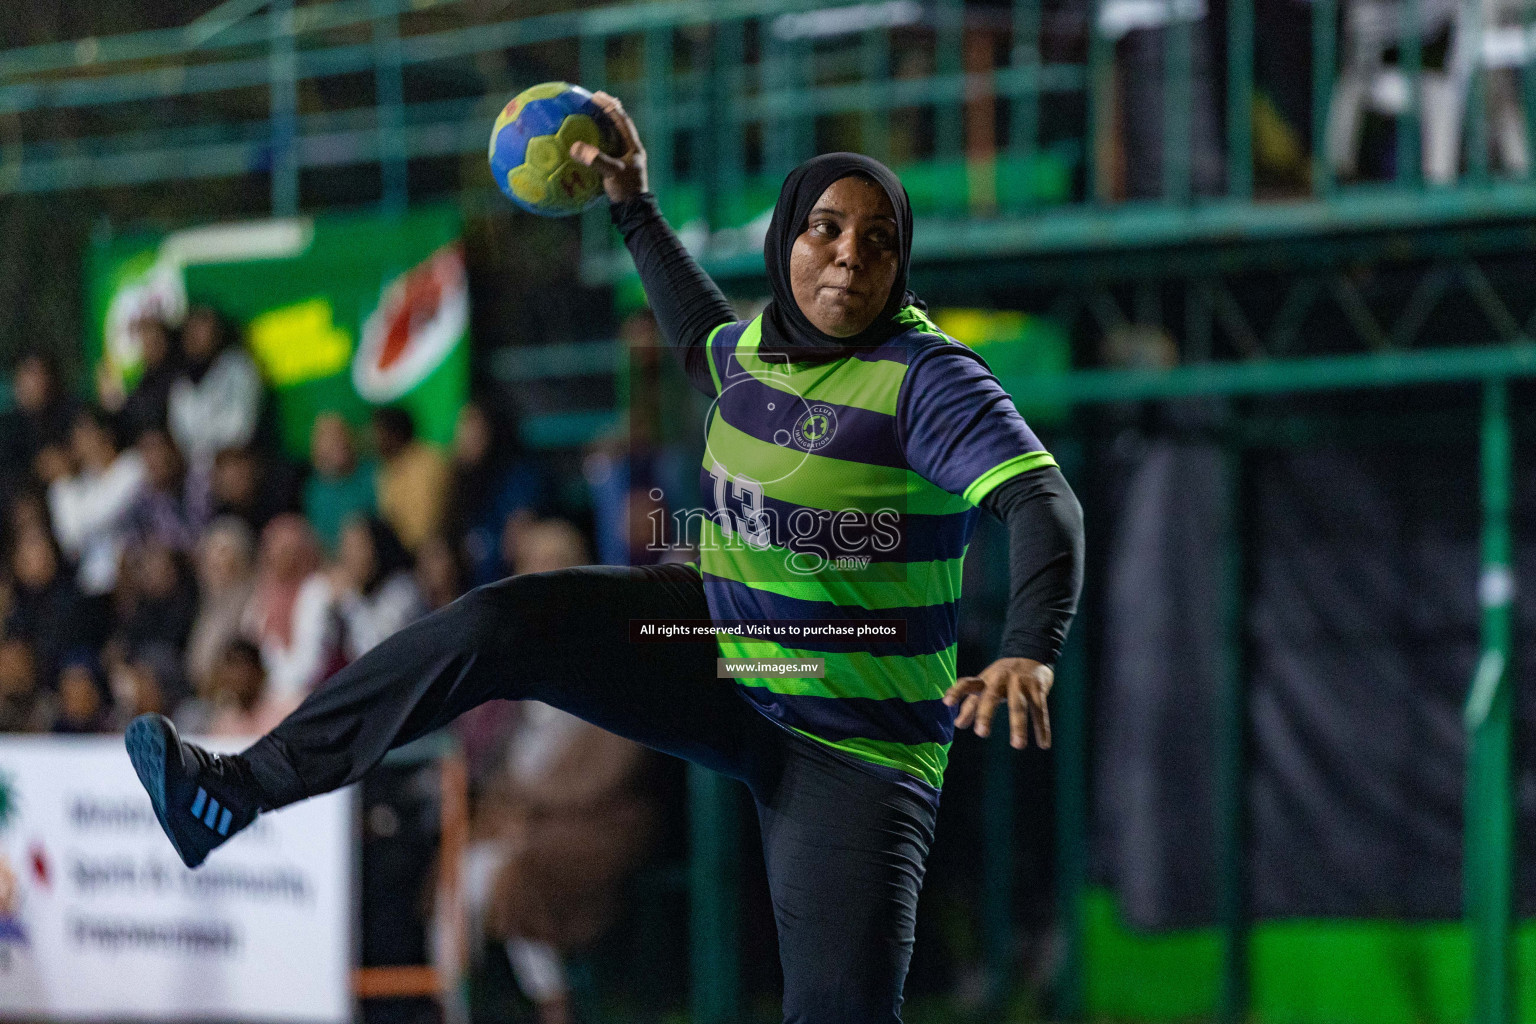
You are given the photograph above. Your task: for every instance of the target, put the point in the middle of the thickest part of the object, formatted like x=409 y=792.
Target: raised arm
x=688 y=305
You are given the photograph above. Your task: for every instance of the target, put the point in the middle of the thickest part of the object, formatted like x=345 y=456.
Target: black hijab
x=787 y=332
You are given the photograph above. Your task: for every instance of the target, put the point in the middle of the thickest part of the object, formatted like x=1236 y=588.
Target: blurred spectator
x=606 y=470
x=160 y=514
x=84 y=703
x=245 y=705
x=215 y=402
x=90 y=507
x=483 y=731
x=225 y=584
x=375 y=589
x=162 y=601
x=144 y=406
x=555 y=837
x=148 y=682
x=37 y=429
x=512 y=538
x=439 y=574
x=47 y=608
x=547 y=544
x=624 y=478
x=28 y=510
x=252 y=486
x=491 y=481
x=634 y=473
x=413 y=478
x=23 y=707
x=292 y=614
x=341 y=484
x=560 y=829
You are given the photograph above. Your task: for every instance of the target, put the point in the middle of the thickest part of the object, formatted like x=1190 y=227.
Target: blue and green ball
x=531 y=148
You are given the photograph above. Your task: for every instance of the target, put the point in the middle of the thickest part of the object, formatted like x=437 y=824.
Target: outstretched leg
x=559 y=637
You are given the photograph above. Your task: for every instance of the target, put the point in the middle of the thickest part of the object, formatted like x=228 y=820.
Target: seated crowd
x=160 y=554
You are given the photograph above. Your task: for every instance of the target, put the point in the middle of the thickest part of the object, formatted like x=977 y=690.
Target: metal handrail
x=723 y=91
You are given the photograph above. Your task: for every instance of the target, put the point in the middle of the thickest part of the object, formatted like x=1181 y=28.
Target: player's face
x=844 y=263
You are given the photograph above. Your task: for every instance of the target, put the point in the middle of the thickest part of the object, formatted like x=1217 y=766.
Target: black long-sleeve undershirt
x=686 y=301
x=1045 y=561
x=1044 y=520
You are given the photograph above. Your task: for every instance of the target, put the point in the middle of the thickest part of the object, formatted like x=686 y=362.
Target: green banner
x=340 y=313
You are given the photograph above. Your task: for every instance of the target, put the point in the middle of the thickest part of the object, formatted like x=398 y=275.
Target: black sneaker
x=200 y=798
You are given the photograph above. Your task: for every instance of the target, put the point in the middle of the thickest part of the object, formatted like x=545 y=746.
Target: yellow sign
x=300 y=343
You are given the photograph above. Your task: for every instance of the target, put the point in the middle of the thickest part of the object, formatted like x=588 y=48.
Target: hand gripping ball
x=531 y=148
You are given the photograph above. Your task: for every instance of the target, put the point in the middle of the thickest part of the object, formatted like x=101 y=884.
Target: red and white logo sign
x=421 y=316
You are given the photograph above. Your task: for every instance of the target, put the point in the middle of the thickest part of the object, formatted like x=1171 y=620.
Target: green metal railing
x=1489 y=852
x=1489 y=808
x=728 y=96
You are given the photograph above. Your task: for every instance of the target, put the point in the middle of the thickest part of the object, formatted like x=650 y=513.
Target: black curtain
x=1360 y=638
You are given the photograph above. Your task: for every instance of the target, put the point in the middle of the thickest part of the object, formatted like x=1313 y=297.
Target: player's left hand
x=624 y=176
x=1021 y=683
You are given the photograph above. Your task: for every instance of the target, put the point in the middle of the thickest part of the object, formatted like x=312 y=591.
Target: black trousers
x=845 y=842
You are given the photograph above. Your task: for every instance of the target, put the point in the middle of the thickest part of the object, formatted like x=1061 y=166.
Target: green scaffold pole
x=1489 y=810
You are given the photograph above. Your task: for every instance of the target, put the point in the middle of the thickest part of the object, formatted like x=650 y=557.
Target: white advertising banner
x=99 y=919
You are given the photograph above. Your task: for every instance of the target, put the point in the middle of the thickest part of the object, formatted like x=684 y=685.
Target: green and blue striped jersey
x=848 y=490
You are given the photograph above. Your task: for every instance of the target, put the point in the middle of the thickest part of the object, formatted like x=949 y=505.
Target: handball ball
x=531 y=148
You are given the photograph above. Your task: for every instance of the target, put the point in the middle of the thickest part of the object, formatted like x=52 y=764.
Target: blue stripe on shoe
x=224 y=822
x=213 y=813
x=197 y=804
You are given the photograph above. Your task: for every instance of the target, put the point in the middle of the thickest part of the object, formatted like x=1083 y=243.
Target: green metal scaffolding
x=1489 y=808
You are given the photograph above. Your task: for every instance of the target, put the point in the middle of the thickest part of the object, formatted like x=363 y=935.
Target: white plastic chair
x=1492 y=33
x=1486 y=32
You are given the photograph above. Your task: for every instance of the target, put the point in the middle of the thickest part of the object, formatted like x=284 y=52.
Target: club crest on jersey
x=815 y=427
